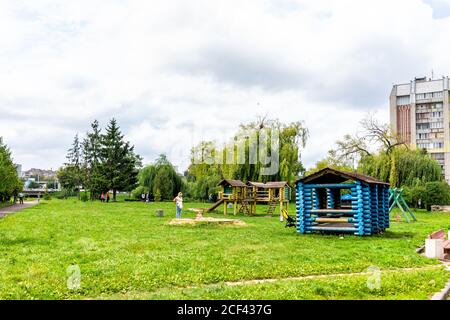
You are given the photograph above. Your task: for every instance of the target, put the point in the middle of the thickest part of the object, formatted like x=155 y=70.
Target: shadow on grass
x=397 y=235
x=22 y=241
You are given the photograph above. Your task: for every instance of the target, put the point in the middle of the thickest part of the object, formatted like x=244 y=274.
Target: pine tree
x=92 y=157
x=119 y=166
x=73 y=174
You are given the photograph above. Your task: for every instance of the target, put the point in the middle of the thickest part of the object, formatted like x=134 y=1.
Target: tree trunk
x=114 y=194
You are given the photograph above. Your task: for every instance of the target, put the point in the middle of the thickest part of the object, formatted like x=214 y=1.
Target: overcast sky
x=175 y=72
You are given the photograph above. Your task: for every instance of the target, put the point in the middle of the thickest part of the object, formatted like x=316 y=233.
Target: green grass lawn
x=125 y=252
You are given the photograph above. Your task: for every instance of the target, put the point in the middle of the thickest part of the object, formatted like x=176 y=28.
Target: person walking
x=102 y=197
x=21 y=198
x=179 y=204
x=108 y=197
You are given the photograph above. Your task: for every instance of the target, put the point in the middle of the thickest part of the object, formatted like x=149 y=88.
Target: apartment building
x=419 y=113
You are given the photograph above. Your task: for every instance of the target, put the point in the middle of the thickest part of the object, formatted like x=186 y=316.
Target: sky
x=176 y=72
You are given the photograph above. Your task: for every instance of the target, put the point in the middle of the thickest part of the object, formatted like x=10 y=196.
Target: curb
x=442 y=296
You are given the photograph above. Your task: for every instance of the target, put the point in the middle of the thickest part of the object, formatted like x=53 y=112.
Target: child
x=179 y=203
x=102 y=198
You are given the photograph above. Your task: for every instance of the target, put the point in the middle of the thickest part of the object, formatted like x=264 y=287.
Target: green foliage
x=47 y=195
x=34 y=185
x=210 y=164
x=414 y=196
x=101 y=162
x=119 y=166
x=10 y=184
x=158 y=197
x=436 y=193
x=328 y=163
x=84 y=196
x=161 y=176
x=139 y=191
x=402 y=167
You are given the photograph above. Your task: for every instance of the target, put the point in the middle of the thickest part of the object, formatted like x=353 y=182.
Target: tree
x=403 y=167
x=119 y=166
x=329 y=163
x=73 y=166
x=161 y=177
x=10 y=184
x=374 y=135
x=436 y=193
x=91 y=151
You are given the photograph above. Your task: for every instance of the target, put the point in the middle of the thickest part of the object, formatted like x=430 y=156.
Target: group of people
x=105 y=197
x=145 y=197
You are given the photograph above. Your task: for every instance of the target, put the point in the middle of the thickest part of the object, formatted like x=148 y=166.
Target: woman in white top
x=179 y=202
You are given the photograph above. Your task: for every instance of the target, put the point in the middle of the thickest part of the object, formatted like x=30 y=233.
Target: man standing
x=21 y=198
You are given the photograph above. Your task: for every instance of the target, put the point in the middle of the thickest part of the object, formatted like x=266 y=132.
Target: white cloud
x=176 y=72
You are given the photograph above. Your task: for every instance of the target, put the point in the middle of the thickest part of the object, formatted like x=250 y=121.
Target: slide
x=218 y=203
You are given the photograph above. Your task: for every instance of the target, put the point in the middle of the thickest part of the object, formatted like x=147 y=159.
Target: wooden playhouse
x=344 y=202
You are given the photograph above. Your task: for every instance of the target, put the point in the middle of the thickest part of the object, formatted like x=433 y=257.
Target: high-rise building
x=19 y=170
x=419 y=112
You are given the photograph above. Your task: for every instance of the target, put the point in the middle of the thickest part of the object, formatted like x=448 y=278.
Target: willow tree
x=378 y=152
x=403 y=167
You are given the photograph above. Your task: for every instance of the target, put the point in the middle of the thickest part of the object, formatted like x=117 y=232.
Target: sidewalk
x=16 y=207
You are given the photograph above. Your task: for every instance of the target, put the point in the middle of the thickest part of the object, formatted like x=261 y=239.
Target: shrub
x=414 y=196
x=84 y=196
x=158 y=195
x=436 y=193
x=137 y=193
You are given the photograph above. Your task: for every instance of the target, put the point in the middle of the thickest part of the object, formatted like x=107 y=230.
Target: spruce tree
x=92 y=157
x=119 y=167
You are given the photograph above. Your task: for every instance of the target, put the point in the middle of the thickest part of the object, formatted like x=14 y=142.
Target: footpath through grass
x=124 y=251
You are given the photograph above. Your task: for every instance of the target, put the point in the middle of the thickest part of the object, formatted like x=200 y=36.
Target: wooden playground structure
x=245 y=197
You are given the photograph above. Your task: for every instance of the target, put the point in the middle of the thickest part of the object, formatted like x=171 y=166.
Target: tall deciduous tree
x=161 y=179
x=10 y=184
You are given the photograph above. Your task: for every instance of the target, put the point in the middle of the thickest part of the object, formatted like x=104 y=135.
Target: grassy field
x=124 y=251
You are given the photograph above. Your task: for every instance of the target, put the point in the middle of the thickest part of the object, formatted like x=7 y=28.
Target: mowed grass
x=125 y=252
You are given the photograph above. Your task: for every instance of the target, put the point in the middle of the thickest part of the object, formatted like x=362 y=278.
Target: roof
x=329 y=175
x=233 y=183
x=269 y=185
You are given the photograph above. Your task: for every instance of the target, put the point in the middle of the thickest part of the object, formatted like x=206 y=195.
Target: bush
x=84 y=196
x=158 y=195
x=47 y=196
x=436 y=193
x=414 y=196
x=137 y=193
x=64 y=194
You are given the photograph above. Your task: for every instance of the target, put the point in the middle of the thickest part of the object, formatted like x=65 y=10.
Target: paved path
x=16 y=207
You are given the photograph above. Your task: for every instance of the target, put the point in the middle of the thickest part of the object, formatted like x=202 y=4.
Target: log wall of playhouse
x=321 y=207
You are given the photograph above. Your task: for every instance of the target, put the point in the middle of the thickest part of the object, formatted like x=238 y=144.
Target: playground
x=125 y=251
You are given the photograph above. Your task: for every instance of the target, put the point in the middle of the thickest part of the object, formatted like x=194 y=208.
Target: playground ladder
x=272 y=206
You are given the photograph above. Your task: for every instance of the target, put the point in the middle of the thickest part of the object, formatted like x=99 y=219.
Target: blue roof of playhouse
x=330 y=175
